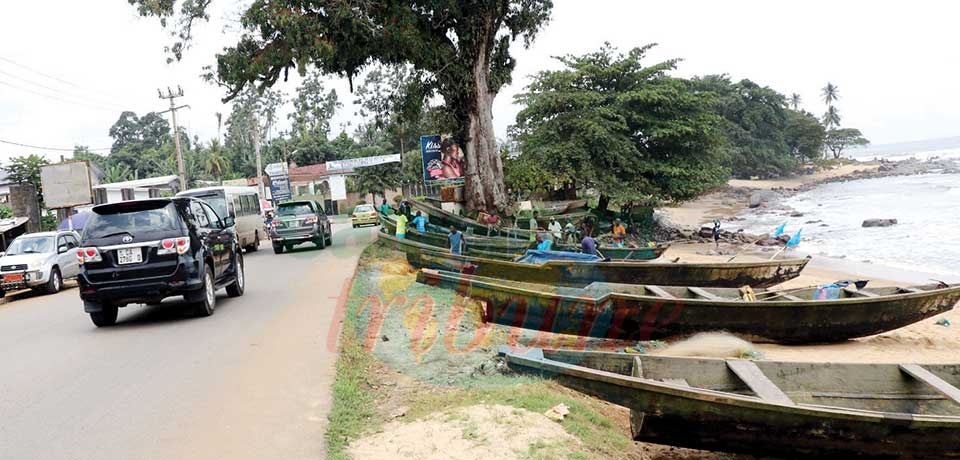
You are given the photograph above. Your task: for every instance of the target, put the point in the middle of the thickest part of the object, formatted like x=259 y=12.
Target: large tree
x=463 y=48
x=631 y=131
x=839 y=139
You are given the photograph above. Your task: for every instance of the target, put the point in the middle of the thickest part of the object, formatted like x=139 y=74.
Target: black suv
x=146 y=250
x=300 y=222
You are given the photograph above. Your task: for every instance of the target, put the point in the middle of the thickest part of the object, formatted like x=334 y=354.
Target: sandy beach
x=924 y=342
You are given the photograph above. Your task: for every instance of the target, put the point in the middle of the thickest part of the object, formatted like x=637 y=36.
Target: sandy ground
x=703 y=210
x=474 y=432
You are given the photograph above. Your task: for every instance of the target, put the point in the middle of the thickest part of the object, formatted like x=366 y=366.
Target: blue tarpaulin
x=533 y=256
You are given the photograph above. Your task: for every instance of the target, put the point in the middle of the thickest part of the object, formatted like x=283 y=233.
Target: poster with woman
x=442 y=158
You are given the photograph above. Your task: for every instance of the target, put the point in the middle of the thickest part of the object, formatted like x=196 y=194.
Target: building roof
x=162 y=181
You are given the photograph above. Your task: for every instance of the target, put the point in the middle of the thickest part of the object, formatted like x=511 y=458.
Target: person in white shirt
x=555 y=229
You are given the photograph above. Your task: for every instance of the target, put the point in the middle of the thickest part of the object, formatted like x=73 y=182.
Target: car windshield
x=364 y=208
x=30 y=245
x=294 y=209
x=115 y=221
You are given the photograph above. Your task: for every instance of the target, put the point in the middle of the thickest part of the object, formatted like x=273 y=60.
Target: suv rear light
x=310 y=220
x=85 y=255
x=174 y=246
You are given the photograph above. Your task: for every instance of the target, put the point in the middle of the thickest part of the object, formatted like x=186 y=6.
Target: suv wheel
x=321 y=240
x=55 y=283
x=256 y=242
x=208 y=300
x=277 y=248
x=236 y=289
x=107 y=316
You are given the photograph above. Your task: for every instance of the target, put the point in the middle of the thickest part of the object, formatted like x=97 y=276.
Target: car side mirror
x=62 y=249
x=229 y=221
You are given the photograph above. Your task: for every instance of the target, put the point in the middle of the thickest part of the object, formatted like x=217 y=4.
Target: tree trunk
x=484 y=170
x=602 y=203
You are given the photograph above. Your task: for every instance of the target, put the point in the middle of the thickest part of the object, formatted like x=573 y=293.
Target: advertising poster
x=442 y=159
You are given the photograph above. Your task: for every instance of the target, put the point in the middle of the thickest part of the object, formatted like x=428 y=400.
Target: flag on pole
x=779 y=230
x=795 y=240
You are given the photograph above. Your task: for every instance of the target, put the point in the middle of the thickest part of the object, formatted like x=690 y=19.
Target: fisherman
x=619 y=234
x=534 y=226
x=455 y=239
x=544 y=243
x=588 y=245
x=401 y=225
x=492 y=220
x=569 y=233
x=716 y=232
x=555 y=229
x=420 y=222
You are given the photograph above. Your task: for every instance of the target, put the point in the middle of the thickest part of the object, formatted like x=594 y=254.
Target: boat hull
x=625 y=316
x=691 y=417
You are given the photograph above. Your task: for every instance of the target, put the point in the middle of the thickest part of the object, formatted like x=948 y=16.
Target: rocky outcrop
x=879 y=222
x=762 y=196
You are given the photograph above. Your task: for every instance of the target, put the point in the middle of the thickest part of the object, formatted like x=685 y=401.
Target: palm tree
x=214 y=162
x=117 y=172
x=831 y=119
x=219 y=123
x=795 y=101
x=830 y=94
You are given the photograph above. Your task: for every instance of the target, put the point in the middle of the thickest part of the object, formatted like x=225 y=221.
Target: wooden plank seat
x=758 y=383
x=925 y=376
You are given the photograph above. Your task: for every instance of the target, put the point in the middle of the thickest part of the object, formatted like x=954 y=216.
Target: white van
x=241 y=203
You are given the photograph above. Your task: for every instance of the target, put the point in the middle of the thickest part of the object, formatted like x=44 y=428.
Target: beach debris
x=557 y=412
x=641 y=347
x=879 y=222
x=943 y=322
x=712 y=345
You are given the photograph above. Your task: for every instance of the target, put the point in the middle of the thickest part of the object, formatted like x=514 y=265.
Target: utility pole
x=256 y=148
x=176 y=134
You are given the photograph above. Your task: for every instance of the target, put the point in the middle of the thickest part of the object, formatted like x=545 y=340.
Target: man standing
x=404 y=207
x=534 y=226
x=420 y=222
x=385 y=208
x=619 y=234
x=455 y=239
x=569 y=233
x=716 y=232
x=555 y=229
x=401 y=225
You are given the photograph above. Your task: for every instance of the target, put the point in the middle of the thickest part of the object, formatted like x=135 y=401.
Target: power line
x=51 y=76
x=46 y=148
x=57 y=90
x=99 y=107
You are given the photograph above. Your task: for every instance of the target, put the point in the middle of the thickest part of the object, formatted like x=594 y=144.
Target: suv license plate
x=129 y=256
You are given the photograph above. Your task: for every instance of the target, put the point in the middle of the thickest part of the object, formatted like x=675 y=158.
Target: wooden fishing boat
x=580 y=274
x=551 y=208
x=441 y=217
x=544 y=220
x=508 y=248
x=767 y=408
x=643 y=312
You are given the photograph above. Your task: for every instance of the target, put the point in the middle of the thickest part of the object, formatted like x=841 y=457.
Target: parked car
x=299 y=222
x=143 y=251
x=364 y=214
x=39 y=261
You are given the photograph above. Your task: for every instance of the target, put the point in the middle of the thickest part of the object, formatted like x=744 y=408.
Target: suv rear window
x=294 y=209
x=131 y=218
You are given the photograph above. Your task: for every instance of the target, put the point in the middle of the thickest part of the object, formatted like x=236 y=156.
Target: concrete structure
x=136 y=189
x=24 y=201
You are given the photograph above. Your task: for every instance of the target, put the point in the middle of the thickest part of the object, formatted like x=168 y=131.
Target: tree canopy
x=463 y=48
x=630 y=131
x=839 y=139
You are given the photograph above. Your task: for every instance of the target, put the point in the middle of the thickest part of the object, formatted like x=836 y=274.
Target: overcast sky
x=68 y=68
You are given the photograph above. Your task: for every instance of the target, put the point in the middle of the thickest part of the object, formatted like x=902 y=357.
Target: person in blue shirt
x=456 y=241
x=543 y=244
x=420 y=222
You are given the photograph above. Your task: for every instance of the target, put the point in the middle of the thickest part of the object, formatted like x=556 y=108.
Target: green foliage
x=312 y=109
x=804 y=135
x=755 y=128
x=839 y=139
x=5 y=212
x=26 y=170
x=630 y=131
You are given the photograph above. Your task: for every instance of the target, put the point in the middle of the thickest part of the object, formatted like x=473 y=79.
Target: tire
x=330 y=239
x=55 y=283
x=236 y=289
x=2 y=293
x=256 y=242
x=277 y=248
x=355 y=225
x=208 y=301
x=321 y=242
x=105 y=317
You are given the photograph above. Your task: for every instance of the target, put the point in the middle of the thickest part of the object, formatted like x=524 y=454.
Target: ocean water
x=927 y=208
x=947 y=147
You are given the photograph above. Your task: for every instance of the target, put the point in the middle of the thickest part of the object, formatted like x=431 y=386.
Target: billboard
x=66 y=185
x=280 y=187
x=440 y=164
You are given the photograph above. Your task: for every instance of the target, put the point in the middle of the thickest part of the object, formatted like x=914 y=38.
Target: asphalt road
x=250 y=382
